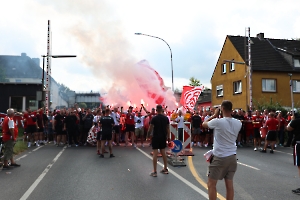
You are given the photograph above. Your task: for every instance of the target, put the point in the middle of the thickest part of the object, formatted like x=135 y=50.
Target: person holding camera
x=223 y=163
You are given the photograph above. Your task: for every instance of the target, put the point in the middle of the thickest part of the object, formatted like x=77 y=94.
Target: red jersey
x=248 y=122
x=272 y=124
x=5 y=129
x=30 y=119
x=258 y=119
x=129 y=118
x=282 y=122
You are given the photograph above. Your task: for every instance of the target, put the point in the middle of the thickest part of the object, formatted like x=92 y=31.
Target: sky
x=101 y=34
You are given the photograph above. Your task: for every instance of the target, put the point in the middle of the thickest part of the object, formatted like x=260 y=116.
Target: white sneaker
x=29 y=144
x=37 y=144
x=206 y=145
x=106 y=143
x=199 y=144
x=275 y=145
x=192 y=144
x=255 y=149
x=143 y=145
x=134 y=145
x=113 y=143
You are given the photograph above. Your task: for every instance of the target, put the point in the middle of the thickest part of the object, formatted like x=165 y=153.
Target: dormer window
x=296 y=62
x=224 y=68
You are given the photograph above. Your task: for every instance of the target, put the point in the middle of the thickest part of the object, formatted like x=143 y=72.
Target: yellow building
x=273 y=61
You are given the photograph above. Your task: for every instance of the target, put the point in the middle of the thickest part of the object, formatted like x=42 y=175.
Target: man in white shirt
x=116 y=129
x=223 y=163
x=180 y=121
x=139 y=128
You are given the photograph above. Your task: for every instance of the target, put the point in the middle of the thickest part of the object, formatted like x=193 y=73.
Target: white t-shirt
x=96 y=118
x=180 y=121
x=226 y=131
x=116 y=118
x=139 y=121
x=11 y=124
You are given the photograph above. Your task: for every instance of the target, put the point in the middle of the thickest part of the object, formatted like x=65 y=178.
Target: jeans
x=281 y=136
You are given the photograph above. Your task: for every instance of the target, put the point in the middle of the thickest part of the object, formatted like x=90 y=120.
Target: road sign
x=177 y=146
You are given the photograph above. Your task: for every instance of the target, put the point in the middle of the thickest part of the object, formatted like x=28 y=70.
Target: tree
x=194 y=82
x=82 y=105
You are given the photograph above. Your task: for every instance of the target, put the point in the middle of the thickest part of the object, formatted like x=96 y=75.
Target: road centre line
x=197 y=177
x=283 y=152
x=40 y=178
x=191 y=185
x=21 y=157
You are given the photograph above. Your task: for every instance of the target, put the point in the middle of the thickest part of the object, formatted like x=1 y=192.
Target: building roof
x=20 y=66
x=268 y=54
x=205 y=96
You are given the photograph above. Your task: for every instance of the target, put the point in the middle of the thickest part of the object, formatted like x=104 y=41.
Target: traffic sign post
x=176 y=147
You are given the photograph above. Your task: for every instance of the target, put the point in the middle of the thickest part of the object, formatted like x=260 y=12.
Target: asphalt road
x=50 y=172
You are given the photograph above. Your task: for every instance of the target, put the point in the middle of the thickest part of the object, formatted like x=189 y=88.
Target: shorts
x=116 y=129
x=130 y=128
x=31 y=129
x=271 y=136
x=249 y=132
x=41 y=130
x=296 y=154
x=159 y=143
x=257 y=133
x=60 y=132
x=99 y=135
x=139 y=131
x=196 y=131
x=106 y=136
x=9 y=149
x=222 y=167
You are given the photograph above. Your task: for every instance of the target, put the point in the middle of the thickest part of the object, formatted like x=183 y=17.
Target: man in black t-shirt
x=161 y=131
x=58 y=126
x=196 y=130
x=106 y=123
x=71 y=127
x=294 y=126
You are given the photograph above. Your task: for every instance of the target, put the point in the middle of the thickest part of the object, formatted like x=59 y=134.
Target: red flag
x=190 y=95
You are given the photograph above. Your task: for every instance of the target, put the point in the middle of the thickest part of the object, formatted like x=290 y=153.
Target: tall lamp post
x=46 y=89
x=292 y=95
x=170 y=52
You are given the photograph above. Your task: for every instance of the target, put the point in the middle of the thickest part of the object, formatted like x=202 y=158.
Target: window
x=16 y=103
x=219 y=90
x=296 y=86
x=224 y=68
x=31 y=103
x=232 y=67
x=237 y=87
x=268 y=85
x=297 y=62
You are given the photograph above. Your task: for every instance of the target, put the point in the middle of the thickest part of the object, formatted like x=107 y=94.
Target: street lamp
x=292 y=95
x=43 y=76
x=170 y=52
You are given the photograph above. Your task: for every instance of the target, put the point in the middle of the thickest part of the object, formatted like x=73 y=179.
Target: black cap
x=130 y=107
x=158 y=107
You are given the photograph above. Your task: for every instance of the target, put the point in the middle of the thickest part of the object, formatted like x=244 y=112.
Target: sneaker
x=57 y=145
x=106 y=143
x=76 y=145
x=255 y=149
x=271 y=151
x=192 y=144
x=54 y=142
x=101 y=156
x=34 y=144
x=15 y=165
x=153 y=174
x=199 y=144
x=263 y=151
x=134 y=145
x=111 y=156
x=37 y=144
x=143 y=145
x=275 y=145
x=164 y=171
x=206 y=145
x=296 y=191
x=239 y=145
x=113 y=143
x=150 y=144
x=84 y=144
x=29 y=144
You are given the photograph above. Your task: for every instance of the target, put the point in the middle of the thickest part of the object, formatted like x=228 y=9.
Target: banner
x=190 y=95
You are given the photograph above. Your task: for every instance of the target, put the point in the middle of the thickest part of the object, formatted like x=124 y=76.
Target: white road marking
x=248 y=166
x=191 y=185
x=22 y=157
x=37 y=148
x=283 y=152
x=39 y=179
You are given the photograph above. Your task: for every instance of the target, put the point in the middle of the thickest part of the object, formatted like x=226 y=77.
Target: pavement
x=50 y=172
